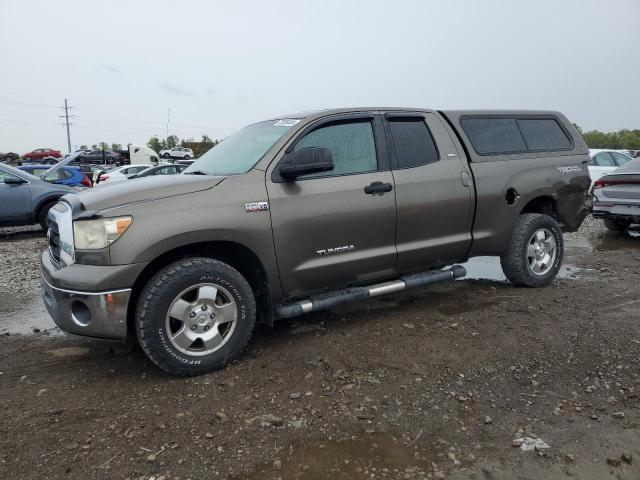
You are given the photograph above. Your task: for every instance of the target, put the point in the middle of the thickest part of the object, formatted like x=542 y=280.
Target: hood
x=61 y=164
x=144 y=189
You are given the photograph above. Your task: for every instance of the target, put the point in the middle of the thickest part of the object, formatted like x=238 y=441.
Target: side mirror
x=305 y=161
x=13 y=181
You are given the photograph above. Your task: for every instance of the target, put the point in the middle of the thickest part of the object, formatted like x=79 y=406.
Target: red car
x=41 y=153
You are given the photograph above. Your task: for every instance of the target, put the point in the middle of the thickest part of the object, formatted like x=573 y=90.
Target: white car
x=604 y=162
x=177 y=152
x=118 y=174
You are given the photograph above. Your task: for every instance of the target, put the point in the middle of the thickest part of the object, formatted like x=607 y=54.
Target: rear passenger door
x=434 y=191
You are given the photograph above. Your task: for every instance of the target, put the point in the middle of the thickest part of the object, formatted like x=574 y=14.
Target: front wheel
x=616 y=224
x=535 y=251
x=194 y=316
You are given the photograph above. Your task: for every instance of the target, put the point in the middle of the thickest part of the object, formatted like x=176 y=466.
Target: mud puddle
x=489 y=268
x=375 y=456
x=20 y=317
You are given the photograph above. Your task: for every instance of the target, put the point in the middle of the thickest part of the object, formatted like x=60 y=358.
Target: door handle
x=378 y=188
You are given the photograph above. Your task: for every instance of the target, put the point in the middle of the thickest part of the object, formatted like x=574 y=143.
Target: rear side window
x=499 y=135
x=620 y=158
x=412 y=142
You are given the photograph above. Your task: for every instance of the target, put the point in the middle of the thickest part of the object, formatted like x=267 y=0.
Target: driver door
x=328 y=231
x=15 y=207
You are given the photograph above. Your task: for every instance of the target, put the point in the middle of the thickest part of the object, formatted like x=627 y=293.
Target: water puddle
x=376 y=456
x=20 y=317
x=629 y=240
x=608 y=241
x=489 y=268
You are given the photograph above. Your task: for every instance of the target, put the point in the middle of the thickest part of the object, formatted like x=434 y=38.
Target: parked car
x=352 y=204
x=616 y=197
x=71 y=176
x=177 y=152
x=171 y=169
x=26 y=199
x=602 y=162
x=97 y=157
x=9 y=157
x=119 y=174
x=41 y=153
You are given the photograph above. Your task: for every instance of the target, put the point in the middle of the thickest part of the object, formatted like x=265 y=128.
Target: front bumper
x=91 y=314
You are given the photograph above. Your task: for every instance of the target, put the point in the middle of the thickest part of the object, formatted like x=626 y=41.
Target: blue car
x=71 y=176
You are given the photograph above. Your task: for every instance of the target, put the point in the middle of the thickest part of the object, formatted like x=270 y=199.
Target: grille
x=55 y=244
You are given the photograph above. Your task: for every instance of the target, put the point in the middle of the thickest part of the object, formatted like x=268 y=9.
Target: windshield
x=242 y=150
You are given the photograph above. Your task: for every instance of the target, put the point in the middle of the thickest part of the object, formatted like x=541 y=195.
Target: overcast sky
x=221 y=64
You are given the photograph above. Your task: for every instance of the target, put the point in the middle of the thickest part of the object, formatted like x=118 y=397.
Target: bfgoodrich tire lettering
x=153 y=326
x=519 y=261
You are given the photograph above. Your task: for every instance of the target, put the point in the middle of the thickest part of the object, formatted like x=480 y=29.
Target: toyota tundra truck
x=305 y=212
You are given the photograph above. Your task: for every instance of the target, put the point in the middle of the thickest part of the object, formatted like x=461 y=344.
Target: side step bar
x=330 y=300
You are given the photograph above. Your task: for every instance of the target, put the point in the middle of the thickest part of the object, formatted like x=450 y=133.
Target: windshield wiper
x=196 y=172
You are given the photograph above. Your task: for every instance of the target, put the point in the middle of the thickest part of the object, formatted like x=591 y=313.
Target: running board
x=330 y=300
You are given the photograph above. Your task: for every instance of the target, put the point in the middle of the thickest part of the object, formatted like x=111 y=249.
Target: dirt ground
x=440 y=382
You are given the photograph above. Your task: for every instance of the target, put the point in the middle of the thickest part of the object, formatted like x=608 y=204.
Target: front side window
x=4 y=175
x=351 y=144
x=412 y=142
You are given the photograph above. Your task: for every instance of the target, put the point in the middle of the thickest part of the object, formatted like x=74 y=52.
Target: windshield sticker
x=286 y=122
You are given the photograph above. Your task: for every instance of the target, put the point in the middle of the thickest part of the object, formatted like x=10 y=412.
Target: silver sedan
x=616 y=197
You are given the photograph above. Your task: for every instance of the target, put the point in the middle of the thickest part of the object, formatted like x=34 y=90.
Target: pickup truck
x=304 y=212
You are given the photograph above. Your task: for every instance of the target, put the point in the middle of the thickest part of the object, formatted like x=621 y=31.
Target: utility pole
x=168 y=113
x=66 y=122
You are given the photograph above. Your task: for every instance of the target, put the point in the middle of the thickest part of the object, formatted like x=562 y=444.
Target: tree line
x=199 y=147
x=620 y=140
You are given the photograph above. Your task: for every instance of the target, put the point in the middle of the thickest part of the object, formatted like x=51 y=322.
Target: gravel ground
x=452 y=381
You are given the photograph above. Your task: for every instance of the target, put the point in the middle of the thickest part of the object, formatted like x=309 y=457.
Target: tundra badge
x=328 y=251
x=256 y=207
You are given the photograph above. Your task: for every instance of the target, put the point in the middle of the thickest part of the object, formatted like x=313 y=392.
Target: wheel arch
x=50 y=199
x=545 y=204
x=232 y=253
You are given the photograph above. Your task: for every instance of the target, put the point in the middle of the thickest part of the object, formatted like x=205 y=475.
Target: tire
x=166 y=155
x=616 y=224
x=42 y=215
x=533 y=259
x=187 y=157
x=170 y=341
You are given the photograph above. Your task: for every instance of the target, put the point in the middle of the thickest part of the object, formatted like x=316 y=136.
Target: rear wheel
x=535 y=251
x=616 y=224
x=194 y=316
x=166 y=155
x=187 y=157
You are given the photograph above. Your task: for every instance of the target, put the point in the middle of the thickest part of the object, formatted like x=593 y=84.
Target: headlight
x=100 y=233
